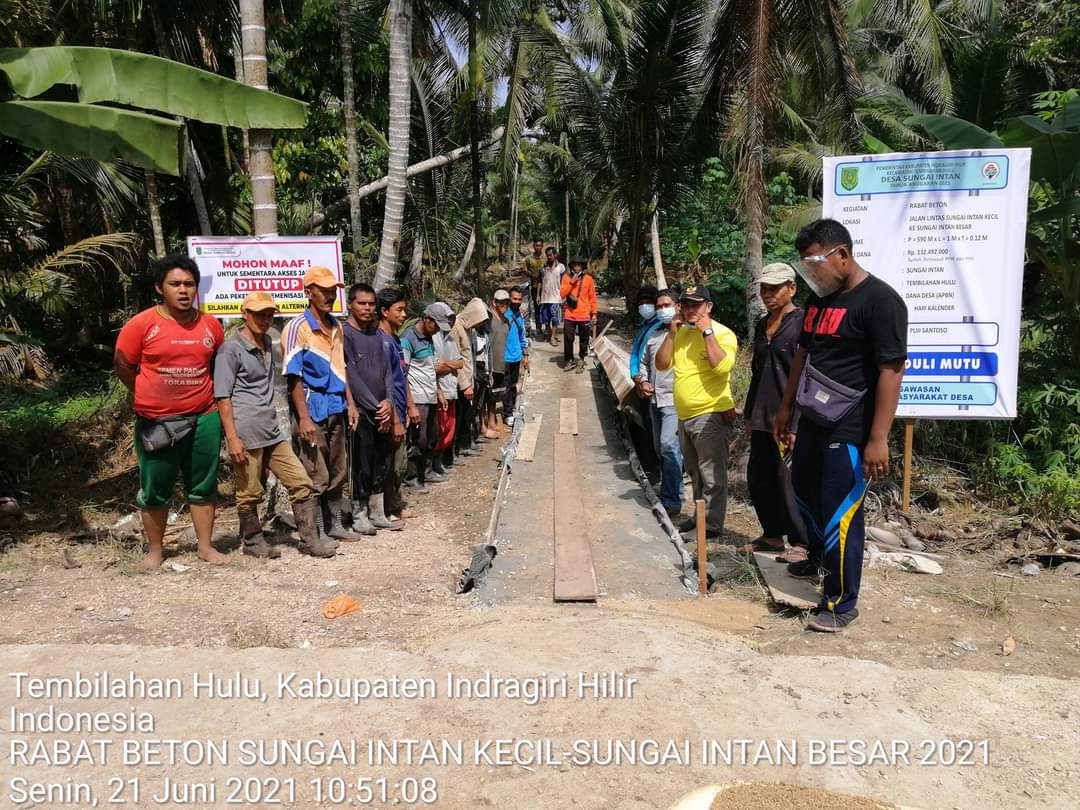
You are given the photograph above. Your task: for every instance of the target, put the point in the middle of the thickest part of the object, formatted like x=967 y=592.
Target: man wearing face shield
x=845 y=383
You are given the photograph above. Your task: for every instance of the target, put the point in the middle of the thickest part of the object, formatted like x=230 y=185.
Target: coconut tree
x=400 y=93
x=640 y=131
x=352 y=150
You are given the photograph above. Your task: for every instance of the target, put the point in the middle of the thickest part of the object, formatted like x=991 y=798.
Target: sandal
x=761 y=547
x=794 y=554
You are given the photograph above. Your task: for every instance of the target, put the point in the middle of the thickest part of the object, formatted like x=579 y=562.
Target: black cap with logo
x=699 y=292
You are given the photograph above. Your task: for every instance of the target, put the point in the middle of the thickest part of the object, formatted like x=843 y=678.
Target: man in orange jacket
x=578 y=291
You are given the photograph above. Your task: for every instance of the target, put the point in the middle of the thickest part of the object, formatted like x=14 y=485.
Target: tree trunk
x=416 y=266
x=196 y=188
x=153 y=203
x=422 y=166
x=469 y=248
x=631 y=271
x=512 y=251
x=260 y=141
x=566 y=215
x=352 y=151
x=400 y=44
x=657 y=257
x=238 y=74
x=756 y=202
x=476 y=79
x=754 y=191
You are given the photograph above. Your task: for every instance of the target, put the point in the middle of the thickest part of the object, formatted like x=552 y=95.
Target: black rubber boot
x=309 y=525
x=251 y=535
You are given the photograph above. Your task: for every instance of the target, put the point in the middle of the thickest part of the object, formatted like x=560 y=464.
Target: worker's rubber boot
x=309 y=525
x=378 y=515
x=332 y=521
x=360 y=520
x=251 y=535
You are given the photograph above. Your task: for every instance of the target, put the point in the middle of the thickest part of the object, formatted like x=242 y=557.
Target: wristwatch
x=706 y=332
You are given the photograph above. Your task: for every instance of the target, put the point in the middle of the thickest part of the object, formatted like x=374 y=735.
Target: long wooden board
x=575 y=577
x=568 y=416
x=785 y=590
x=526 y=448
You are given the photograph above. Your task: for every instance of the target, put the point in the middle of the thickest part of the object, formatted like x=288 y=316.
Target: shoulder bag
x=821 y=398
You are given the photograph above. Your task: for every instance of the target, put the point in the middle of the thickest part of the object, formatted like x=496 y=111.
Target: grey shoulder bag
x=821 y=398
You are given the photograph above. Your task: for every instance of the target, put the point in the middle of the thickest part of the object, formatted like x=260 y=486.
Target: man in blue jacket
x=516 y=356
x=646 y=307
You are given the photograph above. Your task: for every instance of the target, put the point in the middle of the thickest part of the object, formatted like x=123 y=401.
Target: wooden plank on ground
x=568 y=416
x=783 y=589
x=575 y=577
x=616 y=365
x=526 y=448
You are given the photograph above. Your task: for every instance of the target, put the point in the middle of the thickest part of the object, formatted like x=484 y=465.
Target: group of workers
x=824 y=387
x=374 y=410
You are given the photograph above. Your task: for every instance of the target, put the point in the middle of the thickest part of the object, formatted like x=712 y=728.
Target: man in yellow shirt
x=702 y=353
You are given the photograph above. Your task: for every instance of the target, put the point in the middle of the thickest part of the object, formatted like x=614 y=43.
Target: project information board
x=945 y=230
x=230 y=267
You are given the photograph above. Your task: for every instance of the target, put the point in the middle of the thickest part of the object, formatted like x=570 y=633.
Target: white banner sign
x=946 y=231
x=231 y=267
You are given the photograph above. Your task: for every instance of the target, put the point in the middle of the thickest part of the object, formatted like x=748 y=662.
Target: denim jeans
x=665 y=431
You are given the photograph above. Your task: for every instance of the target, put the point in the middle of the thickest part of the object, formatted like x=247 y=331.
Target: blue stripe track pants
x=829 y=490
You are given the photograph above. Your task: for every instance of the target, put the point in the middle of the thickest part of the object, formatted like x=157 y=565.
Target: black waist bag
x=157 y=434
x=824 y=400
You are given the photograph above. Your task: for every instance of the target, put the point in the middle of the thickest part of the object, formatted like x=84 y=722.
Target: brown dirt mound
x=756 y=795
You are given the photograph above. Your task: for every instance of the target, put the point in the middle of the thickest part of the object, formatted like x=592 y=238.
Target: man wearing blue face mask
x=646 y=307
x=657 y=388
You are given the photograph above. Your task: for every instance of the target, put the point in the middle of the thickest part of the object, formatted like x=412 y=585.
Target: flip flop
x=759 y=546
x=794 y=554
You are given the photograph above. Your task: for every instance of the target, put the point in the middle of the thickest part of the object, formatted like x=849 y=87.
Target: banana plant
x=87 y=128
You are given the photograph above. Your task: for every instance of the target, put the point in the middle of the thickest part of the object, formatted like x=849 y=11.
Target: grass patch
x=254 y=634
x=64 y=425
x=993 y=599
x=735 y=572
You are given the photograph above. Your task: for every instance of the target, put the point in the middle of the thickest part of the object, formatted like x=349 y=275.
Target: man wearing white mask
x=845 y=382
x=656 y=387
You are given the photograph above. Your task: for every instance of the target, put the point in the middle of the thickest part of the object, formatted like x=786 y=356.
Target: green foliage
x=705 y=240
x=85 y=129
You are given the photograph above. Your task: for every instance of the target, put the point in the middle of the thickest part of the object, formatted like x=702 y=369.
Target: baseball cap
x=258 y=301
x=647 y=291
x=501 y=295
x=321 y=277
x=777 y=273
x=440 y=313
x=698 y=292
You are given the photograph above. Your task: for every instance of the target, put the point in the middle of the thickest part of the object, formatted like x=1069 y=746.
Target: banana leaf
x=148 y=82
x=102 y=133
x=1055 y=152
x=955 y=133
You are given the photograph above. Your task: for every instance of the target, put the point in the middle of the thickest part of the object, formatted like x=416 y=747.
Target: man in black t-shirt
x=855 y=334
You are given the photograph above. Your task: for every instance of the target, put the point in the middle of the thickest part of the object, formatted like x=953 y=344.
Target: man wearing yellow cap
x=244 y=388
x=313 y=347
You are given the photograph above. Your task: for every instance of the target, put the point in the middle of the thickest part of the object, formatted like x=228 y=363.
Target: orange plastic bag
x=340 y=605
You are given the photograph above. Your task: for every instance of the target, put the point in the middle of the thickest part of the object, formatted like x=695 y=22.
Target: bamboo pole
x=909 y=441
x=702 y=552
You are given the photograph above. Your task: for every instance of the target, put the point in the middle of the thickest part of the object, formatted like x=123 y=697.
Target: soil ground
x=923 y=662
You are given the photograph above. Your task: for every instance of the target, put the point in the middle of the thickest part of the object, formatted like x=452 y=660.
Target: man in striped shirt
x=313 y=347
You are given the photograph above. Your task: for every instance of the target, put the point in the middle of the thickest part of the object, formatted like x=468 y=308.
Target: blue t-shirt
x=516 y=342
x=393 y=346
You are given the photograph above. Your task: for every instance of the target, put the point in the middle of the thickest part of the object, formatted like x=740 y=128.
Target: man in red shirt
x=165 y=355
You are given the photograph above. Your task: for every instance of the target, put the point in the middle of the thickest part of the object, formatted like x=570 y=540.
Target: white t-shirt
x=551 y=279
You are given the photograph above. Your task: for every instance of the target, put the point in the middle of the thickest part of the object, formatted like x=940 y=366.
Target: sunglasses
x=810 y=261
